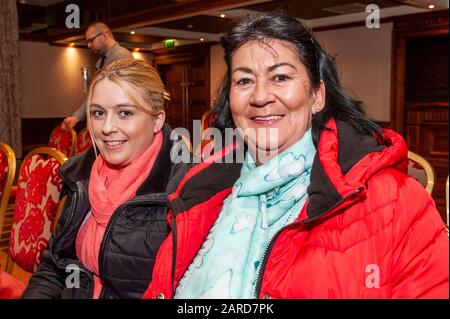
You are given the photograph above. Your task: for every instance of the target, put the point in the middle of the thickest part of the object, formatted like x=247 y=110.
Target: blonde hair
x=133 y=74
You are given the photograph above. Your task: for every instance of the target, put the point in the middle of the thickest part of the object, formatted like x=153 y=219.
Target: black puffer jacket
x=132 y=237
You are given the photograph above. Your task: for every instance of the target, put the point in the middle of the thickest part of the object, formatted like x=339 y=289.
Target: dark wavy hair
x=319 y=65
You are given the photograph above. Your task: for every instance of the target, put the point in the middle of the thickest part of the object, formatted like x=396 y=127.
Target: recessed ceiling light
x=222 y=15
x=431 y=6
x=201 y=39
x=132 y=32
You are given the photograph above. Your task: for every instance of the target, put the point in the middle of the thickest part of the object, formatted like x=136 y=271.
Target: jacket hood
x=344 y=161
x=78 y=168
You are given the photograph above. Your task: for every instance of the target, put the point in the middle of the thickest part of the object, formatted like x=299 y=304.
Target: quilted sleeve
x=420 y=246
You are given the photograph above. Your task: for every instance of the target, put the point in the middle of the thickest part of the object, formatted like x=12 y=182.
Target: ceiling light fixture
x=201 y=39
x=132 y=32
x=136 y=50
x=431 y=6
x=71 y=44
x=222 y=15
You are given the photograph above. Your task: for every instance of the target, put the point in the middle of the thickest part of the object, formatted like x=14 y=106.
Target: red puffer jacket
x=367 y=231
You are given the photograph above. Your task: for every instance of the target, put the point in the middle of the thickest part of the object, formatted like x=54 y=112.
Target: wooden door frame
x=186 y=54
x=415 y=25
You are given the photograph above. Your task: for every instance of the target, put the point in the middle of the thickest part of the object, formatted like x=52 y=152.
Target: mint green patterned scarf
x=264 y=199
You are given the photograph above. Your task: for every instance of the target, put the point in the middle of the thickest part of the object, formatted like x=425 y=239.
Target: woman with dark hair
x=322 y=206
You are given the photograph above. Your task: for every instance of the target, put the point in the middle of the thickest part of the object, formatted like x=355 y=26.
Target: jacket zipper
x=91 y=277
x=262 y=266
x=174 y=250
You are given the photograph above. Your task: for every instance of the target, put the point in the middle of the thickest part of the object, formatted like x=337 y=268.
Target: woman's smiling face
x=271 y=95
x=122 y=131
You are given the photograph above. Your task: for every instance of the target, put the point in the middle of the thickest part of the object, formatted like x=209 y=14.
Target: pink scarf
x=109 y=188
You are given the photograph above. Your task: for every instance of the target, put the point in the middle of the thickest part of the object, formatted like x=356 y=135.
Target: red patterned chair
x=63 y=140
x=7 y=172
x=37 y=207
x=83 y=141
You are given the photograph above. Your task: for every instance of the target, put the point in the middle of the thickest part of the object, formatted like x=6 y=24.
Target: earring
x=316 y=109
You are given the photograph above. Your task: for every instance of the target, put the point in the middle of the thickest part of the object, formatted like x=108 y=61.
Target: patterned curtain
x=10 y=102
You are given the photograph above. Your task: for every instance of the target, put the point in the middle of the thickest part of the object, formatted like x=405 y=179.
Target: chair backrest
x=63 y=140
x=206 y=145
x=83 y=141
x=207 y=121
x=7 y=172
x=421 y=170
x=446 y=202
x=36 y=206
x=186 y=141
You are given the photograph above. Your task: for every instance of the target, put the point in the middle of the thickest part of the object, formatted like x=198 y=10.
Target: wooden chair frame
x=188 y=143
x=429 y=170
x=9 y=181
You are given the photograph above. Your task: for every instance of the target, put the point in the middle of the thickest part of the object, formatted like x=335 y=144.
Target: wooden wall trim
x=183 y=53
x=406 y=21
x=33 y=37
x=434 y=19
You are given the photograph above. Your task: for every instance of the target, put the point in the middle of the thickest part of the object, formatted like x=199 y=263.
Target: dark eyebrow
x=243 y=69
x=269 y=69
x=273 y=67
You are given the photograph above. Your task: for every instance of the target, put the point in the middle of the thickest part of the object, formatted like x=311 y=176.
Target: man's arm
x=78 y=115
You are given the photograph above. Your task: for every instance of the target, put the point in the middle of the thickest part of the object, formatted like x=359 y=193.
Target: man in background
x=101 y=41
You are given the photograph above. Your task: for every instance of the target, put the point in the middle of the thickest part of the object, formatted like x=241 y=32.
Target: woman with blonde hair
x=114 y=220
